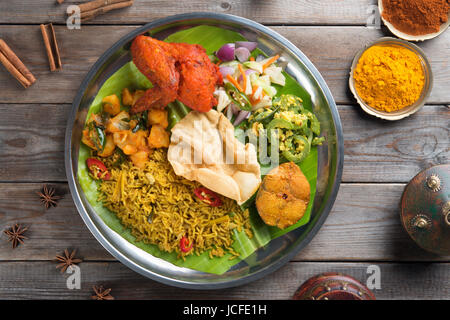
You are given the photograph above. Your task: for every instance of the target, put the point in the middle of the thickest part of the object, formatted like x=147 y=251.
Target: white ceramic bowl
x=409 y=37
x=407 y=111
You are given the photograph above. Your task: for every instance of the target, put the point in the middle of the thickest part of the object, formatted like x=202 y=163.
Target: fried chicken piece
x=198 y=77
x=177 y=71
x=159 y=67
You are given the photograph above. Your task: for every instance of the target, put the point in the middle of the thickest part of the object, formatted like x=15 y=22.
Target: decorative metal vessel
x=425 y=211
x=333 y=286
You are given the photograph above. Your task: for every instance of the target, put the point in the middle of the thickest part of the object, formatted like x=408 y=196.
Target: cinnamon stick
x=51 y=46
x=94 y=8
x=13 y=64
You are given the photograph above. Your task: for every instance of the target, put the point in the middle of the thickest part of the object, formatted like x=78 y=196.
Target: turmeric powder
x=389 y=78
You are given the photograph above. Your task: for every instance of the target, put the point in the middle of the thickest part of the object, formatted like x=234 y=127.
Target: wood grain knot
x=420 y=143
x=225 y=5
x=16 y=143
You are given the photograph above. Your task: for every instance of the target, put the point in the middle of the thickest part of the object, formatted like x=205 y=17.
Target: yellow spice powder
x=389 y=78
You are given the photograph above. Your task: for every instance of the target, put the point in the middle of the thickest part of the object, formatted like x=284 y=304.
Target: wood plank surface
x=390 y=151
x=363 y=228
x=32 y=143
x=331 y=49
x=40 y=280
x=325 y=12
x=359 y=228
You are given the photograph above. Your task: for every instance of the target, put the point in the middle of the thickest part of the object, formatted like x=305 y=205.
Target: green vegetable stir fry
x=288 y=125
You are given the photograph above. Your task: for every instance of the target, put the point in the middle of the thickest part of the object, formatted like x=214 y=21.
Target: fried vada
x=284 y=196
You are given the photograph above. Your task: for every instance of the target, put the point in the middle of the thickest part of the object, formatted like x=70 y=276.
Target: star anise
x=48 y=197
x=15 y=234
x=67 y=260
x=101 y=294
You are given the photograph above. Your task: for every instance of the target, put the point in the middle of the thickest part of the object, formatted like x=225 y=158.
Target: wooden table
x=363 y=228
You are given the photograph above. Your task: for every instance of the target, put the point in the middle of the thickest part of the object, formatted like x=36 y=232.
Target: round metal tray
x=278 y=251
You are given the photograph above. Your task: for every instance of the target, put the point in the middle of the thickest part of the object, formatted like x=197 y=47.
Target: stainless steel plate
x=278 y=251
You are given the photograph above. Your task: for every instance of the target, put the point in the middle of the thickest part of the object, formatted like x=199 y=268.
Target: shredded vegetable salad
x=248 y=81
x=248 y=97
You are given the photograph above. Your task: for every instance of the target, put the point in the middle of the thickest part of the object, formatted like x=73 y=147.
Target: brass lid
x=333 y=286
x=425 y=209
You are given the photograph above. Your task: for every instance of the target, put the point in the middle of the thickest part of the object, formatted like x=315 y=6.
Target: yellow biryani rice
x=160 y=208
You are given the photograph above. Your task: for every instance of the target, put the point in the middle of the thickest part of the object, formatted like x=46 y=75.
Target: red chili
x=208 y=196
x=98 y=169
x=184 y=244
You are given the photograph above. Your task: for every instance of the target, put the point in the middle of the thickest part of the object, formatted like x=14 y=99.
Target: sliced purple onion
x=242 y=54
x=234 y=108
x=247 y=72
x=229 y=113
x=226 y=70
x=241 y=117
x=226 y=52
x=250 y=46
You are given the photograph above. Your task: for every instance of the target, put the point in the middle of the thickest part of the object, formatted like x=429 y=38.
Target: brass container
x=425 y=209
x=333 y=286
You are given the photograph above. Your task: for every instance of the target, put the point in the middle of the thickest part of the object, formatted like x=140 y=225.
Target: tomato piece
x=208 y=196
x=184 y=244
x=98 y=169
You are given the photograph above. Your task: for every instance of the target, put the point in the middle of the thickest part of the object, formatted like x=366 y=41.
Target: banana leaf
x=211 y=38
